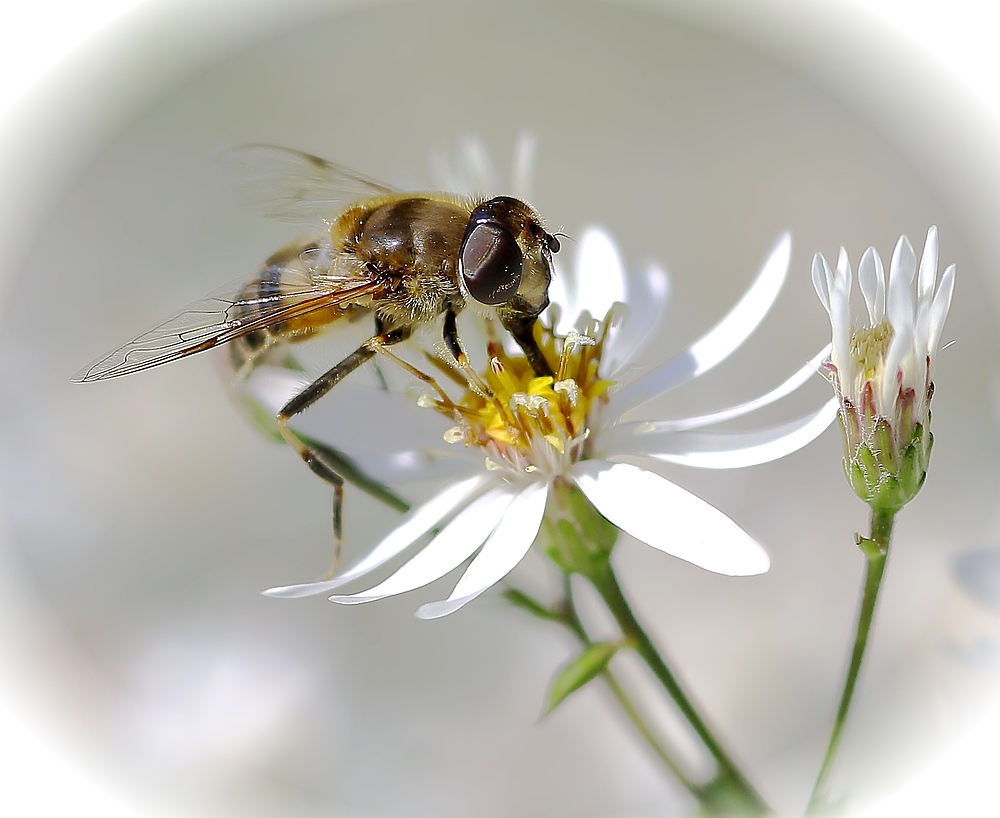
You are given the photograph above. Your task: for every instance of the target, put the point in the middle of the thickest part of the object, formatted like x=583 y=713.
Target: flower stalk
x=881 y=371
x=875 y=547
x=572 y=620
x=743 y=798
x=580 y=540
x=564 y=613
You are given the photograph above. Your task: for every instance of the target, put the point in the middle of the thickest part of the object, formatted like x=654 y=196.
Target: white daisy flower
x=534 y=432
x=882 y=369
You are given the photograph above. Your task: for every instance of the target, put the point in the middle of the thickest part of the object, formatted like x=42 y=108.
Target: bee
x=407 y=259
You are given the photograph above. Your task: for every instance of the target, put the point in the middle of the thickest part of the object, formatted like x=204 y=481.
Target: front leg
x=522 y=327
x=454 y=346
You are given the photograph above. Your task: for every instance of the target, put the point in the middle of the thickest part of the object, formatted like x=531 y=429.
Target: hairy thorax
x=411 y=243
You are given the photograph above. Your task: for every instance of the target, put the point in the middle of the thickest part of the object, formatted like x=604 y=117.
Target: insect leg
x=454 y=345
x=313 y=459
x=523 y=330
x=383 y=339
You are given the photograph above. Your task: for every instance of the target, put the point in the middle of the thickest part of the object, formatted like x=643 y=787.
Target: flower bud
x=881 y=369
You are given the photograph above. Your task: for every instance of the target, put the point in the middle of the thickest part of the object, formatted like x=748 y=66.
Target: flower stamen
x=528 y=423
x=869 y=346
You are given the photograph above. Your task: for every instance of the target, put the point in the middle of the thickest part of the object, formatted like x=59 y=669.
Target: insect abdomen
x=283 y=271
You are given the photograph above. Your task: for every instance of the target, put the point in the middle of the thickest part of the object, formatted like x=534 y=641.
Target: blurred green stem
x=579 y=540
x=732 y=787
x=875 y=548
x=572 y=621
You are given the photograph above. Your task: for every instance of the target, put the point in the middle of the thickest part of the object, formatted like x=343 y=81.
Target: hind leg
x=316 y=390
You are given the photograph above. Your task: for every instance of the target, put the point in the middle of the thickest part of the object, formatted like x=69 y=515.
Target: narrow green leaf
x=353 y=474
x=521 y=600
x=590 y=664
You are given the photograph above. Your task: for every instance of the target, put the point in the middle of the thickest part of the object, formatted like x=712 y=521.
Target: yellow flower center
x=527 y=422
x=868 y=348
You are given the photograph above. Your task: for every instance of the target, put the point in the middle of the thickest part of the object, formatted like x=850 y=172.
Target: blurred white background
x=132 y=57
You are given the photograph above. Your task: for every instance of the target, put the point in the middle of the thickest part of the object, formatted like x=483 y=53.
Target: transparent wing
x=290 y=185
x=223 y=316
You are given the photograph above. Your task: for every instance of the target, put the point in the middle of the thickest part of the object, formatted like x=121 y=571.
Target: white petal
x=821 y=278
x=844 y=270
x=456 y=543
x=478 y=168
x=444 y=174
x=904 y=260
x=562 y=294
x=417 y=523
x=720 y=342
x=900 y=353
x=924 y=323
x=939 y=309
x=647 y=303
x=524 y=165
x=669 y=518
x=746 y=316
x=737 y=450
x=699 y=421
x=271 y=387
x=840 y=313
x=600 y=274
x=411 y=465
x=901 y=271
x=928 y=266
x=504 y=549
x=871 y=278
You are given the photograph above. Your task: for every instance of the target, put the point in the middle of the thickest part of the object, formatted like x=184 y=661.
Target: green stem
x=607 y=586
x=572 y=621
x=876 y=549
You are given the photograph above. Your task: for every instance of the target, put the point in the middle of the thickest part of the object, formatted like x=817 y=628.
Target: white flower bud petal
x=928 y=266
x=871 y=278
x=904 y=261
x=939 y=309
x=821 y=279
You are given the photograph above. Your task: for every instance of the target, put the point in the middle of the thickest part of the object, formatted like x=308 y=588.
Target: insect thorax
x=412 y=243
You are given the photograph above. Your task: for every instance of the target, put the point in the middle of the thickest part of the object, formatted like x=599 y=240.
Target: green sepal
x=890 y=495
x=869 y=468
x=569 y=536
x=888 y=470
x=856 y=478
x=577 y=537
x=560 y=541
x=882 y=446
x=601 y=534
x=585 y=668
x=911 y=470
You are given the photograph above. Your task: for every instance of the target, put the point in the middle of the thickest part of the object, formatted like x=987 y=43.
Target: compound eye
x=490 y=263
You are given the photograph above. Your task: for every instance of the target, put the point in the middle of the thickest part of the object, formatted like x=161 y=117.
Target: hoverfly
x=407 y=259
